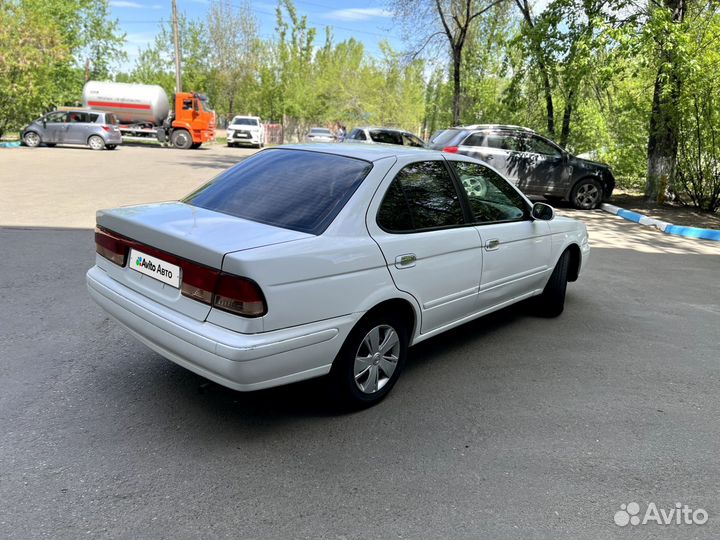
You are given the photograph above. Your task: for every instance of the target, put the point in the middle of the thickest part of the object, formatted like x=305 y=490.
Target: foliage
x=48 y=48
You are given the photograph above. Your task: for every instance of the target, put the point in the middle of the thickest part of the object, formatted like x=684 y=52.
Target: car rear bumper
x=114 y=137
x=242 y=362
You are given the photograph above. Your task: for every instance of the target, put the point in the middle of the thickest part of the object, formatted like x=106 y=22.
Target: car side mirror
x=542 y=212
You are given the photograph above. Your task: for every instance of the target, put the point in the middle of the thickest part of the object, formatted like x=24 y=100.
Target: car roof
x=367 y=152
x=495 y=127
x=397 y=130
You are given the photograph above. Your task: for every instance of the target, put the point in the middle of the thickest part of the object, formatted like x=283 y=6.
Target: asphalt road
x=509 y=427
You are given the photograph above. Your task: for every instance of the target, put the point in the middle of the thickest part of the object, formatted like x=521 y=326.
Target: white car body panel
x=318 y=287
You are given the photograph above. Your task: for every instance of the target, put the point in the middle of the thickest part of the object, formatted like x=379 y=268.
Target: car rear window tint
x=422 y=196
x=293 y=189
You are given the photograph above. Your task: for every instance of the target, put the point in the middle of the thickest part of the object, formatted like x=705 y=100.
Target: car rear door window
x=421 y=196
x=476 y=139
x=503 y=142
x=293 y=189
x=490 y=196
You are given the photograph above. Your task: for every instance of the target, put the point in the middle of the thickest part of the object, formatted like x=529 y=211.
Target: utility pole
x=176 y=36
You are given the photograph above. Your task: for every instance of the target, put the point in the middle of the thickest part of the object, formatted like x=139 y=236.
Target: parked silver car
x=96 y=129
x=321 y=135
x=385 y=136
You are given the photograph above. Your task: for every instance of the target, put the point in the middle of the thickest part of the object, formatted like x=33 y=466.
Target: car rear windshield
x=446 y=138
x=293 y=189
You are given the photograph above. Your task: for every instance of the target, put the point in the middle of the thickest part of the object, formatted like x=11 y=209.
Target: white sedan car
x=309 y=260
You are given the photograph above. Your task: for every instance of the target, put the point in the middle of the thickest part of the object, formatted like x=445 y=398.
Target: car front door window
x=491 y=198
x=517 y=248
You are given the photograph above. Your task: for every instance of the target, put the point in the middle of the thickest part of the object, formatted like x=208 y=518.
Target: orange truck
x=145 y=114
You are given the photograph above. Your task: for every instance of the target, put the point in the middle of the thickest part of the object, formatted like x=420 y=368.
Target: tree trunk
x=662 y=143
x=567 y=115
x=457 y=65
x=549 y=107
x=663 y=132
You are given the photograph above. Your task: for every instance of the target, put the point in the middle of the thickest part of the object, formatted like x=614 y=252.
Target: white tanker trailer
x=145 y=112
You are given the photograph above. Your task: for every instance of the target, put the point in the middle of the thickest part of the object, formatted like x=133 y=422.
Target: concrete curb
x=664 y=226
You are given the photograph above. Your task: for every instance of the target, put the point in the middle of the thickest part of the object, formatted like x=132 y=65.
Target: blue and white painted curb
x=664 y=226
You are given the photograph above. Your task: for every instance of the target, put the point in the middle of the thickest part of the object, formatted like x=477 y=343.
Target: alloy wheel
x=32 y=139
x=587 y=195
x=376 y=358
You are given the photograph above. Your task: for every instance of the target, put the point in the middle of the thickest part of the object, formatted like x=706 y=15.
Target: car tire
x=231 y=145
x=181 y=139
x=31 y=139
x=195 y=145
x=587 y=194
x=50 y=144
x=551 y=302
x=96 y=142
x=111 y=146
x=370 y=361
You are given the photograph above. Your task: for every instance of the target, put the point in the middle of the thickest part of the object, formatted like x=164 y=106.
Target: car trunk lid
x=163 y=239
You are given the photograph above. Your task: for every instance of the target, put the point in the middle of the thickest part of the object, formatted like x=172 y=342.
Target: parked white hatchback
x=309 y=260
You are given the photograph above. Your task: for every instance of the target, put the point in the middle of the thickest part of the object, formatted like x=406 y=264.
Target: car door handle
x=405 y=261
x=493 y=244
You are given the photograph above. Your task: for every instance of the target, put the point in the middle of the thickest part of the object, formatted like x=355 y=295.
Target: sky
x=367 y=21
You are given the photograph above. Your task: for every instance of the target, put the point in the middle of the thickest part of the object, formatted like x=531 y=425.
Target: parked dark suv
x=535 y=164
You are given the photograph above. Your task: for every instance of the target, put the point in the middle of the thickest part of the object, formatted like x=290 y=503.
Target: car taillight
x=450 y=149
x=239 y=295
x=110 y=247
x=228 y=292
x=106 y=128
x=198 y=282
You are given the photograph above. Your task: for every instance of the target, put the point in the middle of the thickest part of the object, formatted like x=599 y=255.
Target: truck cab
x=193 y=121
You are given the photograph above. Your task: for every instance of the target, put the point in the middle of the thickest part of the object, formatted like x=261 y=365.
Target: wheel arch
x=397 y=306
x=575 y=261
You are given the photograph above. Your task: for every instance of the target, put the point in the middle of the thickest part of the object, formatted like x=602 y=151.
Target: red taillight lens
x=198 y=282
x=239 y=295
x=110 y=247
x=106 y=128
x=450 y=149
x=234 y=294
